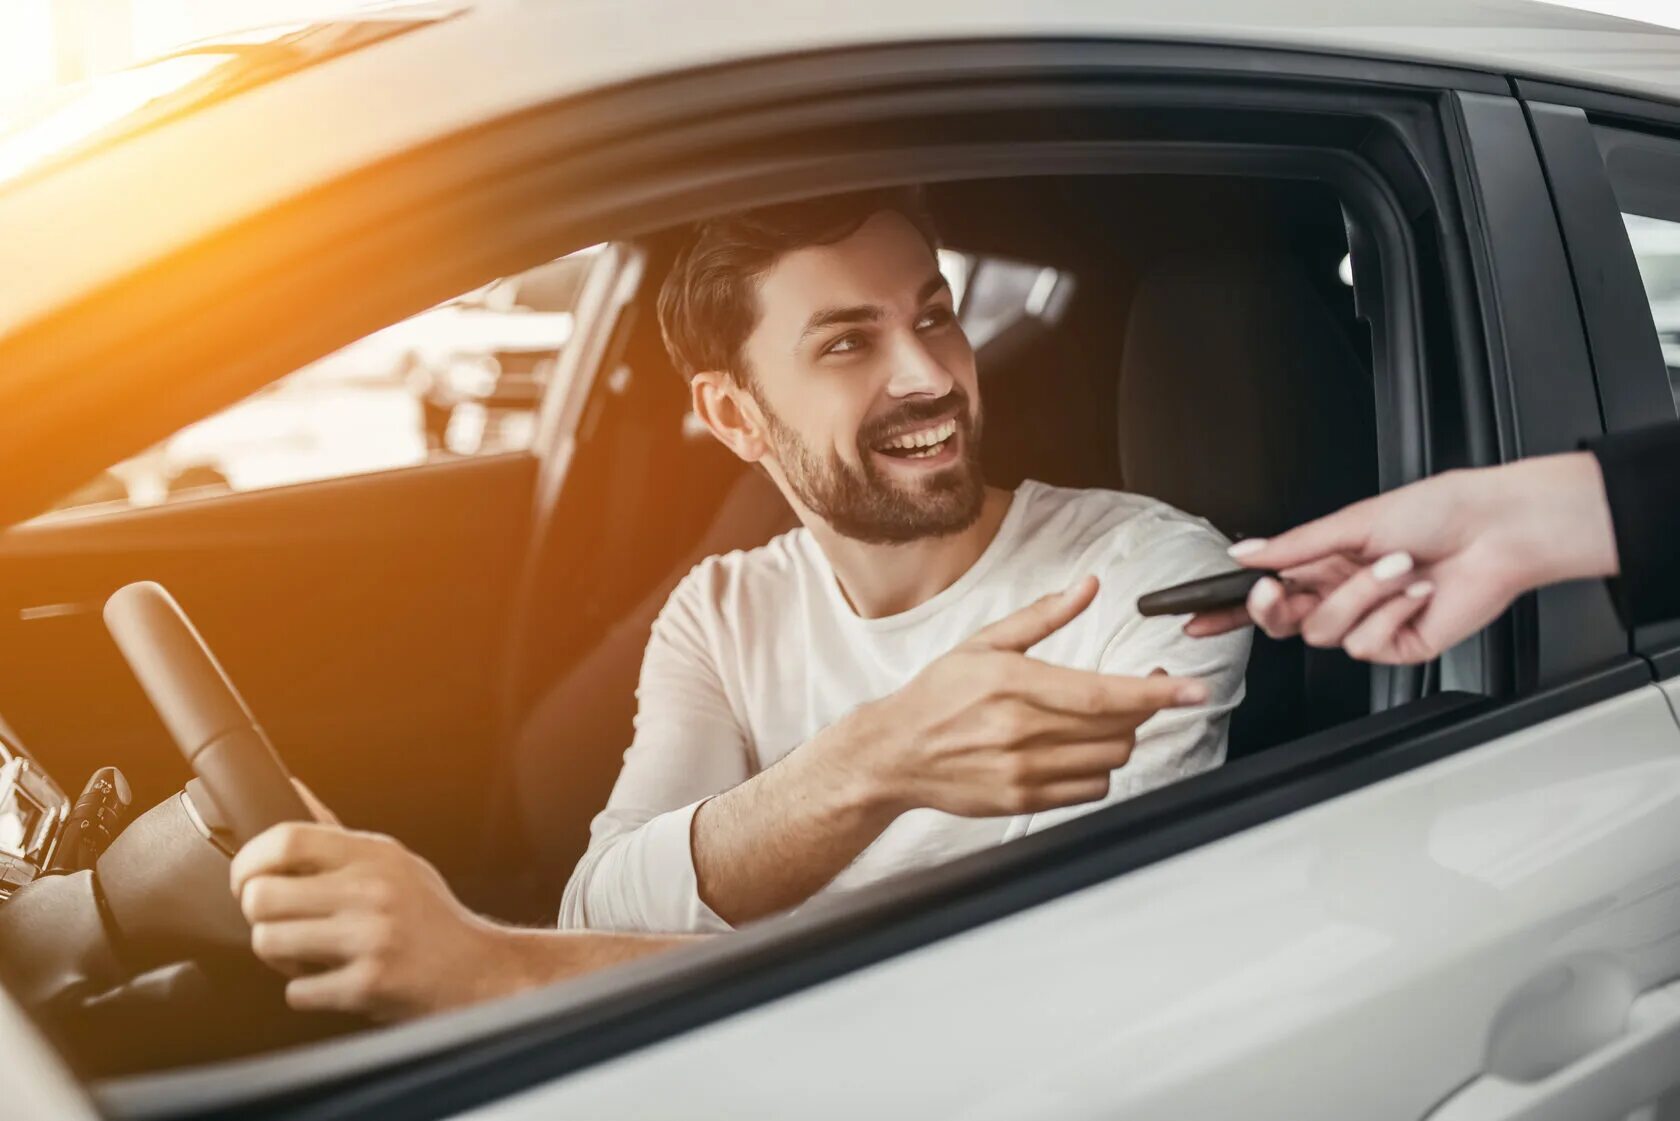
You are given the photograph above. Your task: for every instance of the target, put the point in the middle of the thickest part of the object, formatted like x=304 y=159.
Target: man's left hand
x=361 y=924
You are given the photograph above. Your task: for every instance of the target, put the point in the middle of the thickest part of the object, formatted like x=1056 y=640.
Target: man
x=926 y=668
x=843 y=704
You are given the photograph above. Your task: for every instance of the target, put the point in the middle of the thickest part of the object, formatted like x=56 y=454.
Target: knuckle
x=1020 y=800
x=1018 y=772
x=257 y=899
x=376 y=894
x=1318 y=632
x=379 y=938
x=288 y=840
x=1003 y=724
x=1092 y=699
x=362 y=984
x=263 y=941
x=992 y=676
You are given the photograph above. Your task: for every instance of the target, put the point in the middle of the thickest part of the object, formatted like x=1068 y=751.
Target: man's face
x=867 y=386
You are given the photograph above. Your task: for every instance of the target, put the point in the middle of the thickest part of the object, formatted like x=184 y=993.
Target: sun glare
x=96 y=107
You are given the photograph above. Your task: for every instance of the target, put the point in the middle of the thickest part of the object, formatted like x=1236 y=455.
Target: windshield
x=111 y=108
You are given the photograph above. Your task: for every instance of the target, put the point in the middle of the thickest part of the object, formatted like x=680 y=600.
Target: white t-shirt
x=757 y=651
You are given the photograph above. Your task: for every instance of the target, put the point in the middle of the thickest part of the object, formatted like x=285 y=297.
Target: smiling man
x=925 y=668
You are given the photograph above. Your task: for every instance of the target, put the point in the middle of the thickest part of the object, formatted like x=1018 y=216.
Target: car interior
x=1190 y=337
x=1216 y=363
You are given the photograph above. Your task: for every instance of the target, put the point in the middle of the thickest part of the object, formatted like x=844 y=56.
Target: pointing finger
x=1091 y=694
x=1038 y=620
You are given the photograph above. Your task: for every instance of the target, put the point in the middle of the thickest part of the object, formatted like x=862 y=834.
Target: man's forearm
x=528 y=959
x=781 y=836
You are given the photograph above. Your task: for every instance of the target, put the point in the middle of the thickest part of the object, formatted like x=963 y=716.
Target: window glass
x=462 y=378
x=1644 y=171
x=999 y=292
x=1656 y=245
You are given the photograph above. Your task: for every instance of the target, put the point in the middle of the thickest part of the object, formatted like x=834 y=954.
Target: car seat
x=1242 y=399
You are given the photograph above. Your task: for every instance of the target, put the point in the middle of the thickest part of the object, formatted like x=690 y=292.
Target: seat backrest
x=566 y=754
x=1242 y=399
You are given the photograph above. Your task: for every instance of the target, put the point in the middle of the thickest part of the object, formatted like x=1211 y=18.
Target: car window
x=463 y=378
x=993 y=293
x=1656 y=245
x=1645 y=173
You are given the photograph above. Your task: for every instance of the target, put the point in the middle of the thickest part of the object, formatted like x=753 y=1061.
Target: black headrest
x=1241 y=398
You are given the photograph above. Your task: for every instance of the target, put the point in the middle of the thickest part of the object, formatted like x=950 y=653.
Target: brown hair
x=708 y=305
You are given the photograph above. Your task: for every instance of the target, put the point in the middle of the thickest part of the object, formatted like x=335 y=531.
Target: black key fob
x=1210 y=593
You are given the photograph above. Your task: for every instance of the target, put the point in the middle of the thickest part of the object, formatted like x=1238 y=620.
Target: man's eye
x=935 y=317
x=845 y=344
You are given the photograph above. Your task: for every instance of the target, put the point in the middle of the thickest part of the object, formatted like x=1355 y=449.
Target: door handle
x=1608 y=1083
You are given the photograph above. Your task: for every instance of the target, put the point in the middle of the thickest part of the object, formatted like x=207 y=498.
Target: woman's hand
x=1403 y=576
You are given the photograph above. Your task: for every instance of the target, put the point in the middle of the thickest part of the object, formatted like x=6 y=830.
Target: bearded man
x=928 y=667
x=925 y=668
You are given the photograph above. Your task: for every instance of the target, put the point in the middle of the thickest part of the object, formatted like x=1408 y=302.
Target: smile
x=923 y=443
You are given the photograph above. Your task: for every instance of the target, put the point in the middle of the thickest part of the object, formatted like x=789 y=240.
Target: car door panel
x=361 y=617
x=1371 y=940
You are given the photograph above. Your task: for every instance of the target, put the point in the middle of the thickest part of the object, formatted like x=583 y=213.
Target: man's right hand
x=987 y=731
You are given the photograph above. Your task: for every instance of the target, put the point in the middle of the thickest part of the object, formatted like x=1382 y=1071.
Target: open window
x=1242 y=335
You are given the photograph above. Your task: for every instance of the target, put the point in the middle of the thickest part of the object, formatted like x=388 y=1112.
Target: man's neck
x=881 y=580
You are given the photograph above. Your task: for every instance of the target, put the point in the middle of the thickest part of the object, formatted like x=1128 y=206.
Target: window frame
x=496 y=1049
x=1634 y=385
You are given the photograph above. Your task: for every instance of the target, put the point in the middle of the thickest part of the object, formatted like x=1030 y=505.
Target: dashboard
x=33 y=809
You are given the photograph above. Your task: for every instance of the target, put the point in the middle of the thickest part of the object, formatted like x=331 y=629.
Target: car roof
x=121 y=206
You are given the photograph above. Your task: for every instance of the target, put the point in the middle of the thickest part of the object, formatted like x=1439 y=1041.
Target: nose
x=917 y=371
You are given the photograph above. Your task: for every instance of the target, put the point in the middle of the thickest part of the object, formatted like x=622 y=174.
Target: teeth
x=926 y=438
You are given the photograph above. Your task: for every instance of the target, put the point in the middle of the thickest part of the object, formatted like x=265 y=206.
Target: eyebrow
x=864 y=313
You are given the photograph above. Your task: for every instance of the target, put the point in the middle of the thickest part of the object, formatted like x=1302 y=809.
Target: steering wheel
x=98 y=952
x=223 y=744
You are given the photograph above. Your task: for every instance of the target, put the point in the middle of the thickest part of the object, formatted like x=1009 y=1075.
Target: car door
x=1484 y=931
x=345 y=538
x=1614 y=168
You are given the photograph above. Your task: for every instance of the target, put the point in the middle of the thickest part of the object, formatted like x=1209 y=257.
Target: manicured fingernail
x=1265 y=593
x=1395 y=564
x=1247 y=548
x=1192 y=693
x=1420 y=589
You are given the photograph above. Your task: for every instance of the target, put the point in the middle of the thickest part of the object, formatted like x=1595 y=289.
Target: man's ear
x=730 y=412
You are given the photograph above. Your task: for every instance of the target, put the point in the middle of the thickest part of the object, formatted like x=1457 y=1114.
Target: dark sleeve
x=1642 y=480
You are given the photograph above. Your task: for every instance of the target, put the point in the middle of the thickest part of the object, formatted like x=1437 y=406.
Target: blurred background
x=462 y=378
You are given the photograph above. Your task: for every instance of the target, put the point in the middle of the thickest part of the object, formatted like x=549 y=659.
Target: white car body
x=1347 y=960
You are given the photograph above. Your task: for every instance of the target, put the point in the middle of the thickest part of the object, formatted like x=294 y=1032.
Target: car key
x=1210 y=593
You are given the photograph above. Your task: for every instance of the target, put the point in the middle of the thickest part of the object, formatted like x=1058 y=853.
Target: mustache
x=915 y=414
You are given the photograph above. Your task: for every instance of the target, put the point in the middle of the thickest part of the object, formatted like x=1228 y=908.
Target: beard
x=864 y=503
